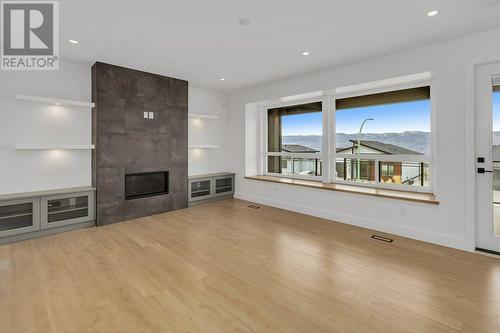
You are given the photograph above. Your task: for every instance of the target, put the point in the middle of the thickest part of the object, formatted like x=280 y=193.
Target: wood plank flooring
x=224 y=267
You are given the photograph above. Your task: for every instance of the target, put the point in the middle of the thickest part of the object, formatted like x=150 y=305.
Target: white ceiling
x=201 y=40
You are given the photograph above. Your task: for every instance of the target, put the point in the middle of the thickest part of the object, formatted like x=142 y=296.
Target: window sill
x=426 y=198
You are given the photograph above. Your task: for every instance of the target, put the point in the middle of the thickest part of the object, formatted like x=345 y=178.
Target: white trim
x=418 y=234
x=470 y=147
x=54 y=147
x=380 y=86
x=54 y=101
x=326 y=146
x=202 y=116
x=278 y=103
x=433 y=181
x=203 y=147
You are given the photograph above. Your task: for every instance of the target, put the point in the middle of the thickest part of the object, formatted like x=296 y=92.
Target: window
x=384 y=138
x=378 y=139
x=387 y=170
x=294 y=140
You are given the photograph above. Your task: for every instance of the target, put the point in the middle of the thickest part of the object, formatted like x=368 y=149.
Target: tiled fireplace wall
x=126 y=142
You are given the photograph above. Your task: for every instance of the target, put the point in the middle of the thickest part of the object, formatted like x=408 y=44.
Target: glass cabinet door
x=200 y=189
x=223 y=186
x=67 y=209
x=19 y=216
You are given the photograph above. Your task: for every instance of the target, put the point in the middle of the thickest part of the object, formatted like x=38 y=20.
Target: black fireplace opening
x=145 y=184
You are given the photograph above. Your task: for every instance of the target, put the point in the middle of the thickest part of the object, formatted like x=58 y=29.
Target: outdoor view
x=389 y=129
x=296 y=129
x=496 y=160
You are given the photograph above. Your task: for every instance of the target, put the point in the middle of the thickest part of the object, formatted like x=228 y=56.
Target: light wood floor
x=224 y=267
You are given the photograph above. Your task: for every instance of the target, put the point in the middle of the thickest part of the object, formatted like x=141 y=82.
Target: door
x=488 y=157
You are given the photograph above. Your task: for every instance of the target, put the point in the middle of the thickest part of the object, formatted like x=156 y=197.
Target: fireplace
x=145 y=184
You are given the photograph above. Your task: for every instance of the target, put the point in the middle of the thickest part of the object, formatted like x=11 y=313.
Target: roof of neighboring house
x=385 y=148
x=298 y=149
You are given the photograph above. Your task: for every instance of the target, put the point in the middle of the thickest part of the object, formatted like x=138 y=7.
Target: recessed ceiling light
x=305 y=53
x=58 y=104
x=244 y=22
x=222 y=79
x=72 y=41
x=433 y=13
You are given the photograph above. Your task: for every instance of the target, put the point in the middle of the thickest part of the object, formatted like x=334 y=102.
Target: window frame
x=321 y=155
x=329 y=155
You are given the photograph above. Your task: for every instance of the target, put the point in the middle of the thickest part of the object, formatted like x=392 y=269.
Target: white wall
x=38 y=124
x=207 y=132
x=444 y=224
x=31 y=123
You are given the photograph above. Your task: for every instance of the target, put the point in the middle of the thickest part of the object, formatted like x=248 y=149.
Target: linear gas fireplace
x=145 y=184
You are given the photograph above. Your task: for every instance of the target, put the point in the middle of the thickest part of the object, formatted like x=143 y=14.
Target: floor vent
x=254 y=206
x=383 y=239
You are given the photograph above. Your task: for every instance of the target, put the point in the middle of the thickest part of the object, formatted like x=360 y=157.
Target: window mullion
x=332 y=139
x=377 y=170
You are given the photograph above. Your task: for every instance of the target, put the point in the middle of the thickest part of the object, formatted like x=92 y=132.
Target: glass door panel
x=496 y=159
x=19 y=216
x=67 y=208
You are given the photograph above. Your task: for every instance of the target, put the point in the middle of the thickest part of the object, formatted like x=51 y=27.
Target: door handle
x=483 y=170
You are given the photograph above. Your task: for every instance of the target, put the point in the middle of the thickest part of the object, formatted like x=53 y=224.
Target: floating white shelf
x=54 y=101
x=55 y=147
x=203 y=147
x=202 y=116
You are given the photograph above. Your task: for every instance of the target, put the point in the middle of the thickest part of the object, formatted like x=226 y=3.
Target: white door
x=488 y=157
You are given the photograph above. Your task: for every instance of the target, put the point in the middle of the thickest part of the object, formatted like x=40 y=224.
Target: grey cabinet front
x=200 y=189
x=223 y=186
x=64 y=209
x=19 y=216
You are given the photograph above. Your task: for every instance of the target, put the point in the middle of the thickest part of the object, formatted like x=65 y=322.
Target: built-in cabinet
x=33 y=213
x=64 y=209
x=203 y=188
x=19 y=216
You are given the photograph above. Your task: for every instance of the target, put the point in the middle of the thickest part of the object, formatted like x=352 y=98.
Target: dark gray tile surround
x=126 y=142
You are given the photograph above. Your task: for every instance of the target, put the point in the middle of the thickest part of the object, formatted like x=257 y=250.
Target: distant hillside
x=496 y=138
x=418 y=141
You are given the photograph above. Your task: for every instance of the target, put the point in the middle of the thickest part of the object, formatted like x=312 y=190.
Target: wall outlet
x=146 y=115
x=151 y=115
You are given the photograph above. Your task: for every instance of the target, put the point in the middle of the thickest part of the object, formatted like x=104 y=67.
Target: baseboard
x=45 y=232
x=417 y=234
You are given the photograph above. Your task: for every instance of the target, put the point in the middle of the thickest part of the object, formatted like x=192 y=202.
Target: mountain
x=496 y=138
x=414 y=140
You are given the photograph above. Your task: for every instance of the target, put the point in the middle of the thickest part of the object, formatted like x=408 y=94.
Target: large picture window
x=294 y=140
x=384 y=138
x=378 y=139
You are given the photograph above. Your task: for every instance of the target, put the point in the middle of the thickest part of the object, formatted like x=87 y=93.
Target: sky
x=389 y=118
x=496 y=112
